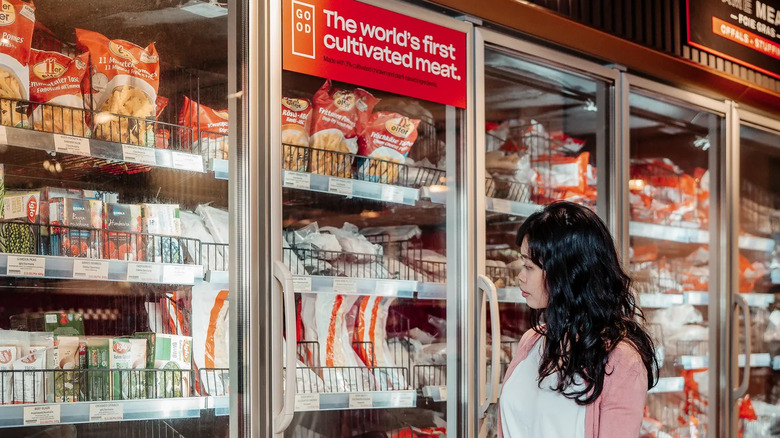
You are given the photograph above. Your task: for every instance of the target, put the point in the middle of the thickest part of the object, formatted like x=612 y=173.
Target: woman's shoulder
x=530 y=338
x=625 y=356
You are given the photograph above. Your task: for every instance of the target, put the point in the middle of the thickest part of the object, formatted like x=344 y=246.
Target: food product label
x=26 y=266
x=302 y=284
x=295 y=180
x=386 y=288
x=340 y=186
x=360 y=400
x=307 y=402
x=106 y=412
x=177 y=275
x=404 y=399
x=141 y=272
x=185 y=161
x=443 y=393
x=71 y=145
x=392 y=194
x=345 y=285
x=90 y=269
x=46 y=414
x=501 y=205
x=139 y=154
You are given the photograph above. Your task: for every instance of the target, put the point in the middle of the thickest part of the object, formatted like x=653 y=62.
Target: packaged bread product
x=124 y=82
x=337 y=113
x=56 y=79
x=17 y=21
x=296 y=125
x=208 y=129
x=386 y=139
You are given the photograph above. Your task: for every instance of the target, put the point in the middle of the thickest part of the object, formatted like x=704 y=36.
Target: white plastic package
x=210 y=336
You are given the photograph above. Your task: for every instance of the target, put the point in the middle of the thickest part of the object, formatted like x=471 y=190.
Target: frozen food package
x=216 y=221
x=127 y=357
x=357 y=247
x=207 y=129
x=162 y=224
x=312 y=243
x=291 y=259
x=335 y=128
x=12 y=344
x=372 y=343
x=98 y=382
x=386 y=138
x=310 y=356
x=68 y=384
x=210 y=335
x=122 y=239
x=563 y=173
x=296 y=126
x=171 y=358
x=173 y=315
x=193 y=227
x=30 y=386
x=80 y=233
x=17 y=22
x=335 y=344
x=124 y=83
x=307 y=381
x=55 y=79
x=19 y=232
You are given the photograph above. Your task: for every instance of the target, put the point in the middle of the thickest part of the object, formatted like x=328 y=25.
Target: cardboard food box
x=127 y=357
x=162 y=220
x=57 y=323
x=82 y=220
x=98 y=382
x=118 y=221
x=171 y=356
x=101 y=195
x=19 y=231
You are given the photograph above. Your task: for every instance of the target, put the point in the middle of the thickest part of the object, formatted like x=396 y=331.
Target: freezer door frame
x=721 y=298
x=742 y=117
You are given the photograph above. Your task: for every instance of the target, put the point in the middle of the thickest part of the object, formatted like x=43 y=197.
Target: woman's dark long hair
x=591 y=308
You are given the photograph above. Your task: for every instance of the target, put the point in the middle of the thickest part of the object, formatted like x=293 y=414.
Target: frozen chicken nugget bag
x=124 y=83
x=56 y=79
x=296 y=125
x=386 y=138
x=17 y=20
x=213 y=126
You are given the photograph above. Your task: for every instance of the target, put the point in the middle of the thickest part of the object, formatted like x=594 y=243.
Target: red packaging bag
x=56 y=79
x=213 y=129
x=17 y=21
x=124 y=83
x=335 y=121
x=386 y=139
x=296 y=125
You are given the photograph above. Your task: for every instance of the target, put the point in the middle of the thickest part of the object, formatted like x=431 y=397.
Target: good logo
x=7 y=13
x=48 y=69
x=400 y=127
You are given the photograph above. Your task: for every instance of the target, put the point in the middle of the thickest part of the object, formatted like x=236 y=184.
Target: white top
x=528 y=411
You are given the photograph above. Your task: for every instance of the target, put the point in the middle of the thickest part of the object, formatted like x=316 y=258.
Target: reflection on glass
x=669 y=194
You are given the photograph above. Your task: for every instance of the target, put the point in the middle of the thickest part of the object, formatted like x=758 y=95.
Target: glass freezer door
x=670 y=190
x=759 y=280
x=367 y=147
x=546 y=129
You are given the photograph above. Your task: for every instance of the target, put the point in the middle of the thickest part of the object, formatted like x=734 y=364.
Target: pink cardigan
x=618 y=411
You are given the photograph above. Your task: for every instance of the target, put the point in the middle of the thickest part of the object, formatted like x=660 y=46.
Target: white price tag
x=502 y=205
x=177 y=275
x=185 y=161
x=26 y=266
x=345 y=285
x=295 y=180
x=3 y=135
x=143 y=273
x=392 y=194
x=443 y=393
x=90 y=269
x=404 y=399
x=302 y=284
x=359 y=401
x=71 y=145
x=106 y=412
x=340 y=186
x=387 y=288
x=139 y=154
x=699 y=362
x=307 y=402
x=44 y=414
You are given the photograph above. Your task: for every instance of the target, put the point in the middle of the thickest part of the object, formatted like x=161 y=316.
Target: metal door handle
x=743 y=387
x=285 y=279
x=489 y=289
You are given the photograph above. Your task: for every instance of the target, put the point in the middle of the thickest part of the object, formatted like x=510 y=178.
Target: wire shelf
x=214 y=256
x=662 y=277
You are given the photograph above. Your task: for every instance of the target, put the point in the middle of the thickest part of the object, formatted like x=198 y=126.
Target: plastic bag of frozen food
x=56 y=79
x=309 y=354
x=372 y=342
x=296 y=125
x=163 y=223
x=386 y=139
x=17 y=22
x=31 y=386
x=12 y=344
x=291 y=259
x=313 y=243
x=210 y=335
x=357 y=248
x=208 y=129
x=216 y=221
x=125 y=80
x=193 y=227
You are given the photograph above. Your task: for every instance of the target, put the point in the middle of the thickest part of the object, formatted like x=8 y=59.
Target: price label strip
x=44 y=414
x=345 y=285
x=143 y=273
x=296 y=180
x=502 y=205
x=340 y=186
x=307 y=402
x=185 y=161
x=72 y=145
x=177 y=275
x=360 y=401
x=99 y=412
x=90 y=269
x=139 y=154
x=392 y=194
x=26 y=266
x=302 y=284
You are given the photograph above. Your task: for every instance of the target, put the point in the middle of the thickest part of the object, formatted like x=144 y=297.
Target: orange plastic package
x=56 y=79
x=296 y=125
x=386 y=138
x=212 y=140
x=17 y=22
x=124 y=84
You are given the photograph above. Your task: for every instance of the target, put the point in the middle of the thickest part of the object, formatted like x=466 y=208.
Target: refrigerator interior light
x=636 y=184
x=702 y=143
x=366 y=214
x=591 y=106
x=437 y=188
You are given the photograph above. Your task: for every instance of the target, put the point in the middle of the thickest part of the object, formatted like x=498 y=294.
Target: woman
x=584 y=369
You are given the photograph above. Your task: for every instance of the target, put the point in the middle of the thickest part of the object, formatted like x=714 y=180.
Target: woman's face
x=532 y=280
